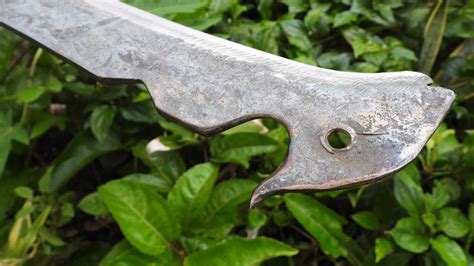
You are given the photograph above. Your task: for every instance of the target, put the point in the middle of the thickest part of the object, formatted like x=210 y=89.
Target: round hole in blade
x=339 y=139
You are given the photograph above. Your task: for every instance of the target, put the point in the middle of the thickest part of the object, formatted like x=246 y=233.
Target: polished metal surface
x=209 y=84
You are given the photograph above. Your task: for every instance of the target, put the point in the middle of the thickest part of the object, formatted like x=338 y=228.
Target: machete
x=209 y=84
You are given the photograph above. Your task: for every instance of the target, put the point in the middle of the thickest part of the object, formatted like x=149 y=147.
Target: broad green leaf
x=296 y=6
x=449 y=251
x=92 y=204
x=408 y=192
x=325 y=225
x=154 y=182
x=453 y=223
x=236 y=251
x=80 y=151
x=451 y=186
x=295 y=32
x=240 y=147
x=197 y=243
x=265 y=8
x=344 y=18
x=142 y=112
x=433 y=36
x=101 y=121
x=124 y=254
x=41 y=127
x=30 y=94
x=225 y=199
x=430 y=220
x=438 y=198
x=364 y=42
x=383 y=247
x=168 y=164
x=24 y=192
x=142 y=215
x=220 y=214
x=318 y=22
x=409 y=234
x=54 y=85
x=367 y=220
x=192 y=190
x=183 y=133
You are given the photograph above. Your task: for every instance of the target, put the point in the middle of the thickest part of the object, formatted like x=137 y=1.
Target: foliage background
x=91 y=174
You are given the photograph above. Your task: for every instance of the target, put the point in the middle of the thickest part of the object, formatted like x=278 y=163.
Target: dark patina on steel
x=209 y=84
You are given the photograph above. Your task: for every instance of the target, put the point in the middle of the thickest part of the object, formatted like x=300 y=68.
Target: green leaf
x=265 y=8
x=296 y=6
x=433 y=36
x=24 y=192
x=67 y=213
x=451 y=253
x=30 y=94
x=295 y=32
x=364 y=42
x=383 y=247
x=54 y=85
x=142 y=112
x=438 y=198
x=253 y=126
x=408 y=192
x=101 y=121
x=80 y=151
x=220 y=214
x=344 y=18
x=41 y=126
x=192 y=190
x=168 y=164
x=409 y=234
x=325 y=225
x=92 y=204
x=236 y=251
x=453 y=223
x=183 y=133
x=124 y=254
x=51 y=238
x=225 y=199
x=367 y=220
x=240 y=147
x=257 y=218
x=317 y=21
x=142 y=215
x=154 y=182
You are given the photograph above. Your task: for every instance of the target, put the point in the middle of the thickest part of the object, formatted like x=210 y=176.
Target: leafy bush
x=91 y=174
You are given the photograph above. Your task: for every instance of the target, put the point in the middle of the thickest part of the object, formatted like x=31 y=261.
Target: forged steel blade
x=209 y=84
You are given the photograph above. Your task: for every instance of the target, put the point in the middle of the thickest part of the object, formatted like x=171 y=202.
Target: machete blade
x=209 y=84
